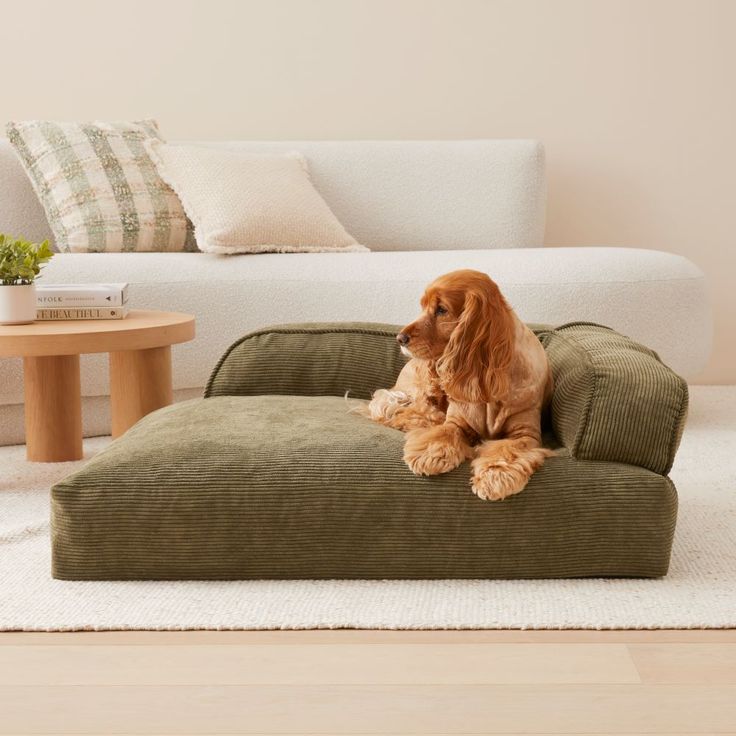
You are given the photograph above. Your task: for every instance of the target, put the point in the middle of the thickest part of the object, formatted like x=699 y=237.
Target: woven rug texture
x=698 y=592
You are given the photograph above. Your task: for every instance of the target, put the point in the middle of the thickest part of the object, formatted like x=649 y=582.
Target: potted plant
x=20 y=264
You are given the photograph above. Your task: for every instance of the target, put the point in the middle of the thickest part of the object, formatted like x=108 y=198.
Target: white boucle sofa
x=423 y=208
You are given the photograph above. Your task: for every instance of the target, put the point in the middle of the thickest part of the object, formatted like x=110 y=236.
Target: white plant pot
x=17 y=304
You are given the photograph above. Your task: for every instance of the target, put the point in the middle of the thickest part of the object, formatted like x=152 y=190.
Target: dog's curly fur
x=474 y=388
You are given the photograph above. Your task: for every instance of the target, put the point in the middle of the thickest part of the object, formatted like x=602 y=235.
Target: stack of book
x=81 y=301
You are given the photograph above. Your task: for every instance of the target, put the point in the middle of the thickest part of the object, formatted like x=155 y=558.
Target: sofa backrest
x=390 y=195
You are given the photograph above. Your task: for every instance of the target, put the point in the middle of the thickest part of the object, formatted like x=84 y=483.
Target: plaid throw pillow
x=99 y=187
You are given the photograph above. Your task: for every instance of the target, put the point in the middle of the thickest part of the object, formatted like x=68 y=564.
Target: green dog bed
x=272 y=475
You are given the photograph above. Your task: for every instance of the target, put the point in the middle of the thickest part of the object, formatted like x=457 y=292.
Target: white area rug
x=700 y=590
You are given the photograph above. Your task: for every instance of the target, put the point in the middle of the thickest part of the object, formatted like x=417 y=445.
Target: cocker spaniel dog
x=475 y=387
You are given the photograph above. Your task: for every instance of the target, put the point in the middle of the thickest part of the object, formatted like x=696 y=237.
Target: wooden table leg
x=53 y=408
x=140 y=382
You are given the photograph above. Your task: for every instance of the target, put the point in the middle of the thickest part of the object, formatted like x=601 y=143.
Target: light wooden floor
x=369 y=682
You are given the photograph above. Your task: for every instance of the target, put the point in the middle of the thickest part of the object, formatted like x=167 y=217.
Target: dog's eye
x=440 y=311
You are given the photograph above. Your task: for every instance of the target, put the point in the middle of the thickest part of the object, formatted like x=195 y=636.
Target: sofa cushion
x=99 y=187
x=242 y=487
x=250 y=203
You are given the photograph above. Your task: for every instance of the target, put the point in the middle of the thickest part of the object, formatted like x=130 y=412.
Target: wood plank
x=370 y=709
x=683 y=663
x=361 y=636
x=296 y=664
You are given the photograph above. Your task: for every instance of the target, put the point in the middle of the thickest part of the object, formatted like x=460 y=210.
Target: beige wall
x=635 y=100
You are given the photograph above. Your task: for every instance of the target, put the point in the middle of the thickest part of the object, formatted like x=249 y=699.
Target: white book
x=81 y=295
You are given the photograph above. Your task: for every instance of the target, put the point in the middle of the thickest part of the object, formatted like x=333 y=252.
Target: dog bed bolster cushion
x=613 y=400
x=313 y=359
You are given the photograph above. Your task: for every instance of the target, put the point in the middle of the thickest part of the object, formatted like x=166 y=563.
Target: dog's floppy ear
x=476 y=362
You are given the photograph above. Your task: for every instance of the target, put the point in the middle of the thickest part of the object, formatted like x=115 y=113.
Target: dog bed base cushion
x=248 y=487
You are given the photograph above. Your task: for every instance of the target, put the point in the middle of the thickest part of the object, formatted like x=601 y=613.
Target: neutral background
x=634 y=100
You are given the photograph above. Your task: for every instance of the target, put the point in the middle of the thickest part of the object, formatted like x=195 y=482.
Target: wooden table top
x=140 y=330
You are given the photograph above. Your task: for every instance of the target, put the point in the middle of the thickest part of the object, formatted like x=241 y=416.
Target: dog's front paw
x=427 y=454
x=494 y=481
x=434 y=460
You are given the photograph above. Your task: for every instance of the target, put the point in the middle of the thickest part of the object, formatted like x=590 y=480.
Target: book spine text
x=54 y=301
x=80 y=313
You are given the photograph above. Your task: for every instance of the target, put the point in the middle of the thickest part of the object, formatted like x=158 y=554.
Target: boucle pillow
x=99 y=187
x=250 y=203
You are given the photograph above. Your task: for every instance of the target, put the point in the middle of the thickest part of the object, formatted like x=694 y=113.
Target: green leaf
x=21 y=260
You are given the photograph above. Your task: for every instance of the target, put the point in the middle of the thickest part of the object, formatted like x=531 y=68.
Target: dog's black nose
x=403 y=338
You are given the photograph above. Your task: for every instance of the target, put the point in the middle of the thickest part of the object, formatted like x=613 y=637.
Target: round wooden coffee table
x=140 y=373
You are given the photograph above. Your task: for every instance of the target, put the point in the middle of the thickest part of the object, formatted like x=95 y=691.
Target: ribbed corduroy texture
x=315 y=359
x=298 y=487
x=272 y=476
x=614 y=399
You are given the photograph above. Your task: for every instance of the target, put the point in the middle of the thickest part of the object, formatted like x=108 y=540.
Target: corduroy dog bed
x=272 y=476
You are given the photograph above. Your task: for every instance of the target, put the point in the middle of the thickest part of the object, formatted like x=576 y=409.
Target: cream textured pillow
x=249 y=203
x=99 y=187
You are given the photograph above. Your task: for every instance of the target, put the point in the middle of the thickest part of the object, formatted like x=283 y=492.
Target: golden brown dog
x=475 y=387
